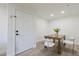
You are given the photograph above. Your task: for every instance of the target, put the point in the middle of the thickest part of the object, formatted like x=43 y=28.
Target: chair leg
x=45 y=46
x=64 y=44
x=73 y=49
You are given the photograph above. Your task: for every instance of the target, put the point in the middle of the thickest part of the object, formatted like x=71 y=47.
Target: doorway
x=24 y=31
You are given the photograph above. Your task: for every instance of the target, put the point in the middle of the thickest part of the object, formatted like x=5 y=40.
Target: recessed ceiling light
x=62 y=12
x=52 y=15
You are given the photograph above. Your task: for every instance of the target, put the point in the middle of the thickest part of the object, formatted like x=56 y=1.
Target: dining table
x=56 y=37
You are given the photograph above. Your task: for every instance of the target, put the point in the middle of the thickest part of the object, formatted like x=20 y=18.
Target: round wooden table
x=56 y=37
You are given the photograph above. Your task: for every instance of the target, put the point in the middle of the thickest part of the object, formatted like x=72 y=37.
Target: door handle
x=17 y=32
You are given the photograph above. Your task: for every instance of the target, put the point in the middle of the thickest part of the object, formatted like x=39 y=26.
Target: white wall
x=3 y=27
x=11 y=27
x=41 y=28
x=68 y=25
x=11 y=31
x=3 y=23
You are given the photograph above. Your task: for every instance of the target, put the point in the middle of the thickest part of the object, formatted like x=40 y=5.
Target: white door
x=24 y=31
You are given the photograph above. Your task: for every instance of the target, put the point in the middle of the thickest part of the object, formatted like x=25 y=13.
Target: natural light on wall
x=62 y=12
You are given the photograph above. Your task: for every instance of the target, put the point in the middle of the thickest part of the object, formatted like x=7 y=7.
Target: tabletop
x=53 y=36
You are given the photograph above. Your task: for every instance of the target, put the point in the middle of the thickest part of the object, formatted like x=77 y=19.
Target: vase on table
x=57 y=31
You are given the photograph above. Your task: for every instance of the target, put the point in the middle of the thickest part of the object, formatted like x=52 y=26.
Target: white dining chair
x=70 y=41
x=48 y=43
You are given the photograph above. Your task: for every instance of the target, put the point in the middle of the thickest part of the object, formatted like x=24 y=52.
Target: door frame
x=12 y=30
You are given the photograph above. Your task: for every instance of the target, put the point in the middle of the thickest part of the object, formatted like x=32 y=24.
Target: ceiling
x=45 y=9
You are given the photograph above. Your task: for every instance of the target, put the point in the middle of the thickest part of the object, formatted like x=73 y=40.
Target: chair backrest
x=48 y=40
x=64 y=37
x=72 y=39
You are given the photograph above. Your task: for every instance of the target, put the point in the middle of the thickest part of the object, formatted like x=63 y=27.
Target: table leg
x=53 y=41
x=59 y=47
